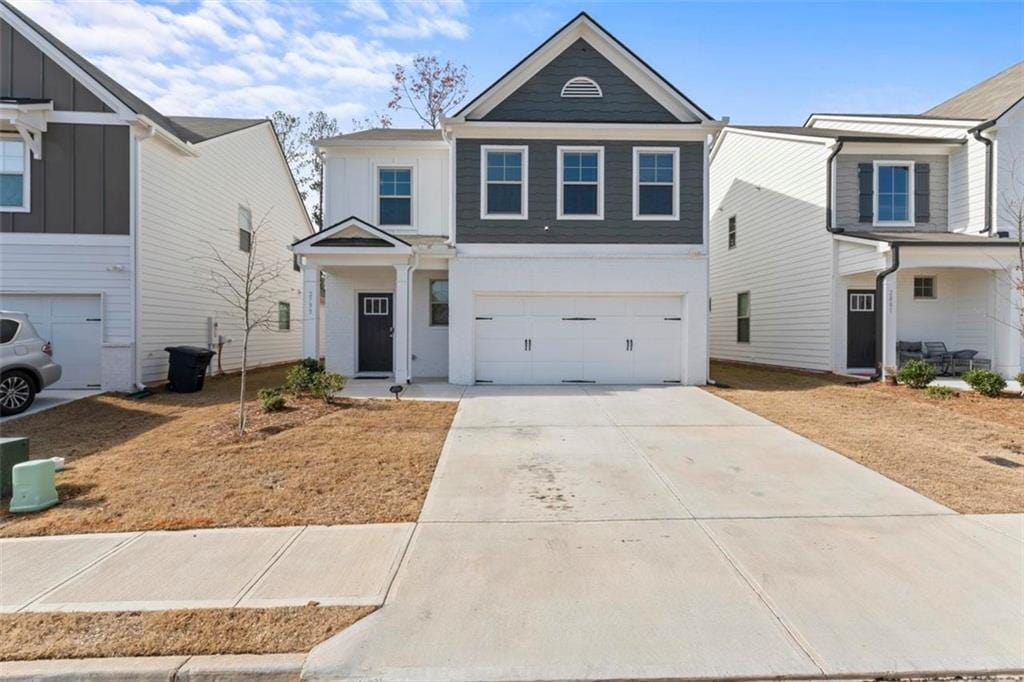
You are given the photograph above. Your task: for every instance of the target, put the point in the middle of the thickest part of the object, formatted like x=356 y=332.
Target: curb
x=263 y=667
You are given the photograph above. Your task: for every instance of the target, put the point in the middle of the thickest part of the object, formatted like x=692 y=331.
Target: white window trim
x=637 y=151
x=910 y=195
x=560 y=151
x=935 y=288
x=525 y=182
x=377 y=168
x=26 y=189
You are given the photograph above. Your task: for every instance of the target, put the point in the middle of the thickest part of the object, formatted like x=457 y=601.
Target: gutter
x=989 y=153
x=880 y=309
x=829 y=180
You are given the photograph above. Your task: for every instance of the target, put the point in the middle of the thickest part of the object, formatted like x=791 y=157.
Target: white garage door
x=578 y=339
x=72 y=324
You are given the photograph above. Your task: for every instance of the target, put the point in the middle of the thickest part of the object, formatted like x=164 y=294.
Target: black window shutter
x=866 y=199
x=922 y=192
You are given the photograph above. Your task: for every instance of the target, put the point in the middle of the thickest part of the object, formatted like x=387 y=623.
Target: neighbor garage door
x=72 y=324
x=553 y=339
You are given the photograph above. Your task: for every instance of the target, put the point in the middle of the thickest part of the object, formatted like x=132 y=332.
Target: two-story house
x=110 y=213
x=553 y=231
x=856 y=242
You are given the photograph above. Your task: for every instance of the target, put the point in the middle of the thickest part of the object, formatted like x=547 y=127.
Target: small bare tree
x=248 y=283
x=1011 y=201
x=428 y=89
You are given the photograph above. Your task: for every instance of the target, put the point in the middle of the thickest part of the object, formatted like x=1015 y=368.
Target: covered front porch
x=947 y=298
x=375 y=305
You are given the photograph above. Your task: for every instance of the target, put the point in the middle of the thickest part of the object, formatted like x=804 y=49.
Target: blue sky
x=763 y=62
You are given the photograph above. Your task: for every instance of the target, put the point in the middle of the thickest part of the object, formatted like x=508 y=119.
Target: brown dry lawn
x=173 y=461
x=932 y=446
x=193 y=632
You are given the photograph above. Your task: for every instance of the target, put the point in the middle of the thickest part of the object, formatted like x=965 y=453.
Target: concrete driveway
x=660 y=532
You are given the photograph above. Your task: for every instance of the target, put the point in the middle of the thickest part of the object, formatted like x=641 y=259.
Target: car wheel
x=17 y=391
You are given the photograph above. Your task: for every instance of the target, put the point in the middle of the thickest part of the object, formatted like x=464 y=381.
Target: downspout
x=135 y=159
x=880 y=309
x=976 y=132
x=829 y=180
x=408 y=316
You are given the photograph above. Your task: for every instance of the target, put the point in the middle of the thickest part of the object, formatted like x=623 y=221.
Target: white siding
x=429 y=344
x=343 y=286
x=1009 y=189
x=350 y=185
x=961 y=315
x=856 y=258
x=783 y=257
x=967 y=187
x=189 y=205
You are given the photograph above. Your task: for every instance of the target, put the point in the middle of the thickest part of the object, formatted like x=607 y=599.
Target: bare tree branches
x=429 y=89
x=1011 y=205
x=297 y=137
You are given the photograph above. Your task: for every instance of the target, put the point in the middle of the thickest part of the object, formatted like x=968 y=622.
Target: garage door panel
x=658 y=306
x=598 y=306
x=71 y=323
x=545 y=372
x=75 y=350
x=504 y=372
x=551 y=306
x=503 y=328
x=500 y=305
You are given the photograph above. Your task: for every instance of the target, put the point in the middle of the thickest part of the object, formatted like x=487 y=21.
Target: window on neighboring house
x=743 y=317
x=15 y=168
x=438 y=303
x=894 y=193
x=656 y=190
x=244 y=228
x=504 y=172
x=924 y=287
x=395 y=196
x=580 y=183
x=732 y=232
x=284 y=316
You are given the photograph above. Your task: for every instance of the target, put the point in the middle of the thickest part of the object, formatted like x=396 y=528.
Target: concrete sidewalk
x=663 y=533
x=212 y=568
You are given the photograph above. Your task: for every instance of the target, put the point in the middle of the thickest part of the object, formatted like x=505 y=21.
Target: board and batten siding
x=542 y=225
x=848 y=191
x=350 y=188
x=776 y=190
x=188 y=206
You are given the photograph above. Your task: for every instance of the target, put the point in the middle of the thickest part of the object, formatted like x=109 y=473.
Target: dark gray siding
x=82 y=182
x=27 y=72
x=618 y=226
x=540 y=98
x=848 y=192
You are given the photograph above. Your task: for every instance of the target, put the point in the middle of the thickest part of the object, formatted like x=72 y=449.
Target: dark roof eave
x=906 y=140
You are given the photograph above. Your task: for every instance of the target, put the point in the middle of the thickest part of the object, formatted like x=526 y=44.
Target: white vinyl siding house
x=775 y=188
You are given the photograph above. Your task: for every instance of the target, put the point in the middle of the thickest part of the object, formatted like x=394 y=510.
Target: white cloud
x=253 y=57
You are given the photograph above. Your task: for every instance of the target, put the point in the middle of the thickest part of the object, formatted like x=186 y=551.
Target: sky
x=755 y=62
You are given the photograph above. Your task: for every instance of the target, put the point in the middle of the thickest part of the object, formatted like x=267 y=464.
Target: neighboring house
x=552 y=232
x=832 y=242
x=108 y=210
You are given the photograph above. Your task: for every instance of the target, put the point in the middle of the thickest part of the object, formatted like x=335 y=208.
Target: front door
x=375 y=331
x=860 y=328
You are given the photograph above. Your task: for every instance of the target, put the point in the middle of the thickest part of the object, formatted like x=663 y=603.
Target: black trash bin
x=187 y=368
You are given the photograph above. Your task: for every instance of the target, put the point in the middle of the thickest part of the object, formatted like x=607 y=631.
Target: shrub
x=312 y=364
x=326 y=384
x=1020 y=380
x=941 y=392
x=985 y=382
x=272 y=399
x=916 y=374
x=300 y=378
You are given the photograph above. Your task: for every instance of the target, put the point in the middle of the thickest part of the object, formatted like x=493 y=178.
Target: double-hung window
x=504 y=181
x=732 y=232
x=244 y=229
x=743 y=317
x=894 y=193
x=655 y=183
x=284 y=316
x=394 y=196
x=438 y=303
x=14 y=175
x=580 y=183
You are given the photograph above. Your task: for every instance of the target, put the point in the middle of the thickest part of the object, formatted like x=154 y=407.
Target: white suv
x=26 y=363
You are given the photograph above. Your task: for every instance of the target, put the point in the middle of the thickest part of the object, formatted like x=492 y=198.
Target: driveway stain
x=543 y=486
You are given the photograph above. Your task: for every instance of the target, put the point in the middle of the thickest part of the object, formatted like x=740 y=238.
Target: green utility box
x=35 y=486
x=12 y=451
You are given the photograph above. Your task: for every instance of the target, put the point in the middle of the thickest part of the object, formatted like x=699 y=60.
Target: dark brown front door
x=860 y=328
x=375 y=331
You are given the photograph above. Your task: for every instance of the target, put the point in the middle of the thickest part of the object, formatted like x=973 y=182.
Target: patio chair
x=908 y=350
x=938 y=356
x=966 y=360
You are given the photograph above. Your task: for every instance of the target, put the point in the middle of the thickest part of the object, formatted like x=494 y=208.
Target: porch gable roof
x=366 y=236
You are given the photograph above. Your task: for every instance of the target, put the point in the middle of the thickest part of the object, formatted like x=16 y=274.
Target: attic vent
x=581 y=86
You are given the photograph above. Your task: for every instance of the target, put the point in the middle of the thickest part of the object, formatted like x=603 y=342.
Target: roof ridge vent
x=581 y=86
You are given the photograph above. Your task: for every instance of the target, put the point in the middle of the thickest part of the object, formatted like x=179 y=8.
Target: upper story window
x=732 y=232
x=14 y=175
x=580 y=183
x=244 y=228
x=504 y=181
x=581 y=86
x=394 y=196
x=894 y=193
x=656 y=183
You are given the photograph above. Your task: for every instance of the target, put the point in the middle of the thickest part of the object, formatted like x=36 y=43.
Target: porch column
x=890 y=328
x=401 y=324
x=310 y=310
x=1007 y=347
